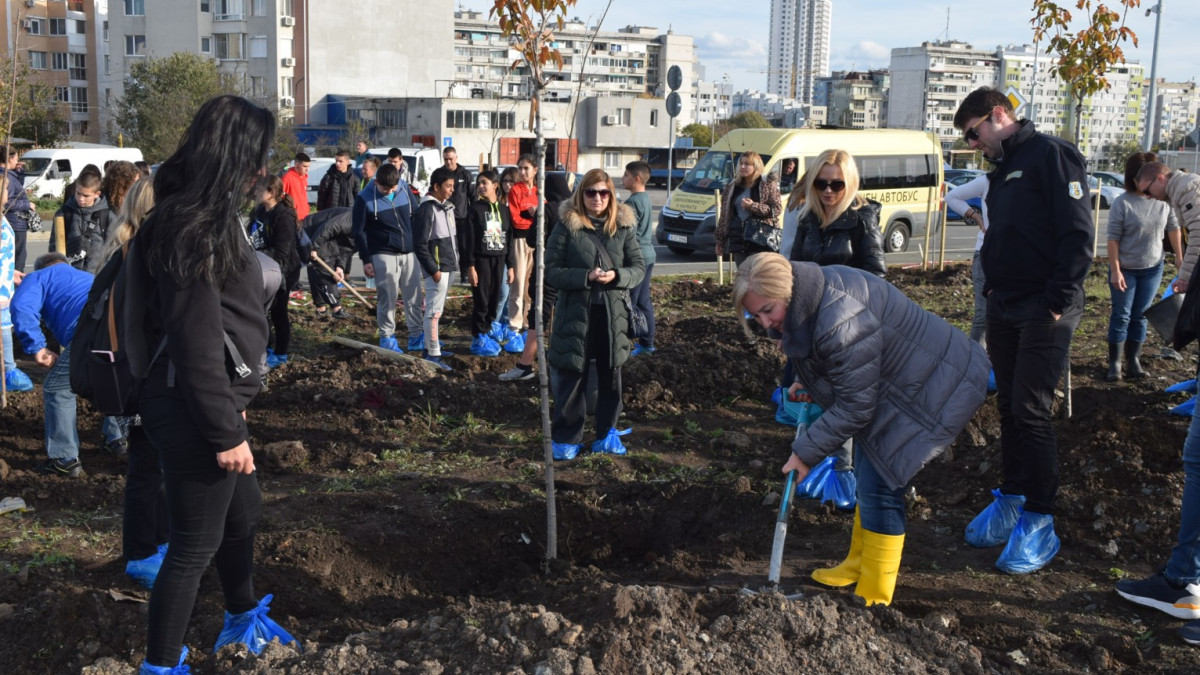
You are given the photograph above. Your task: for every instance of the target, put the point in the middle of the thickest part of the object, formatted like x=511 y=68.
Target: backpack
x=100 y=360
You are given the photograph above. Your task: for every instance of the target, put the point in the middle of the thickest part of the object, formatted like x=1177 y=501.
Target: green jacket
x=570 y=254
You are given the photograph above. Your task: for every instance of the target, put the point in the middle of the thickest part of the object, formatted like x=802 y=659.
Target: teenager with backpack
x=204 y=284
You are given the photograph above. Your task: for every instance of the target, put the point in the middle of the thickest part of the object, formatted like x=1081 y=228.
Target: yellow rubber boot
x=846 y=572
x=880 y=565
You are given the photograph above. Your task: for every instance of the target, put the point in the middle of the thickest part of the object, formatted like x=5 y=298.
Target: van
x=48 y=170
x=902 y=170
x=421 y=163
x=316 y=171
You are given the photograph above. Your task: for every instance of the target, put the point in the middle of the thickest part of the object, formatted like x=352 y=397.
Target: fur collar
x=576 y=221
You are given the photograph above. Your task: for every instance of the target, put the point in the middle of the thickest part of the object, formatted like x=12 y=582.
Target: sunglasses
x=591 y=193
x=836 y=185
x=972 y=134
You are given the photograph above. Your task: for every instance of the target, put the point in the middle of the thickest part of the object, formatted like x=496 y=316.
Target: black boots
x=1133 y=351
x=1114 y=361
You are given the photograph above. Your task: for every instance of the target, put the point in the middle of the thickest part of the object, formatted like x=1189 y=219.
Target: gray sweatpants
x=397 y=274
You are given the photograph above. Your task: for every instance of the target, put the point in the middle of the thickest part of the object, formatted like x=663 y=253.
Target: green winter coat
x=570 y=255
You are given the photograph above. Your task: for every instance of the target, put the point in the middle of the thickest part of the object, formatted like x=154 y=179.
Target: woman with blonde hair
x=593 y=259
x=749 y=198
x=837 y=226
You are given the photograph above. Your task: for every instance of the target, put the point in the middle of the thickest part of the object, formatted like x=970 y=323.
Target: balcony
x=229 y=17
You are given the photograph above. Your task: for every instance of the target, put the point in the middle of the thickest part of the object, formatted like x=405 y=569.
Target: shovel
x=317 y=259
x=785 y=506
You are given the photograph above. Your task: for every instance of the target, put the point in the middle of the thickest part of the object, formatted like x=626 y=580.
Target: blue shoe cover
x=994 y=525
x=1184 y=409
x=841 y=488
x=276 y=360
x=416 y=343
x=813 y=485
x=1032 y=545
x=180 y=669
x=498 y=332
x=482 y=345
x=253 y=629
x=991 y=381
x=1187 y=387
x=639 y=349
x=515 y=344
x=390 y=342
x=565 y=451
x=145 y=571
x=611 y=444
x=16 y=380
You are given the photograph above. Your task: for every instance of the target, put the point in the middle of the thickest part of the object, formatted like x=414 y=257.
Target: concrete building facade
x=798 y=49
x=859 y=100
x=1178 y=112
x=930 y=81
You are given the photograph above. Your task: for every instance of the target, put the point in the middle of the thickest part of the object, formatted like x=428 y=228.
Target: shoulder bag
x=638 y=326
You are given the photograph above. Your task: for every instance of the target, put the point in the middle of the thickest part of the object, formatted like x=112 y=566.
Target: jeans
x=1184 y=564
x=1028 y=350
x=880 y=508
x=214 y=515
x=62 y=434
x=979 y=320
x=571 y=388
x=20 y=250
x=504 y=290
x=145 y=523
x=640 y=296
x=1126 y=320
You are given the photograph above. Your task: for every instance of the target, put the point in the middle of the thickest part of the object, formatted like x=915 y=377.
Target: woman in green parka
x=593 y=259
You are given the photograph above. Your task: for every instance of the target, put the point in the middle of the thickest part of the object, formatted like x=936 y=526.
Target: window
x=205 y=6
x=612 y=159
x=135 y=45
x=258 y=86
x=206 y=44
x=895 y=172
x=135 y=7
x=285 y=47
x=395 y=118
x=37 y=60
x=480 y=119
x=79 y=102
x=258 y=47
x=78 y=66
x=107 y=63
x=59 y=61
x=36 y=26
x=258 y=8
x=230 y=45
x=624 y=116
x=62 y=94
x=285 y=86
x=653 y=118
x=285 y=8
x=229 y=10
x=79 y=27
x=106 y=31
x=58 y=26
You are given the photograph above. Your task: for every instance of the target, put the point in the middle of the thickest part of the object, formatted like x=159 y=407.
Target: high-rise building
x=929 y=82
x=799 y=47
x=1178 y=108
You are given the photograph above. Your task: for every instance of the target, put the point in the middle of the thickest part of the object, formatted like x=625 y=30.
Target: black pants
x=1028 y=350
x=145 y=523
x=640 y=297
x=19 y=248
x=214 y=515
x=324 y=289
x=486 y=296
x=570 y=388
x=279 y=312
x=462 y=230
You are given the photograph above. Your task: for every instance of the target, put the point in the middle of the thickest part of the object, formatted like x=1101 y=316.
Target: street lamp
x=1151 y=103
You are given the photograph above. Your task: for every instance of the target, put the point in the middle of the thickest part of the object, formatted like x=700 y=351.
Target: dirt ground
x=404 y=525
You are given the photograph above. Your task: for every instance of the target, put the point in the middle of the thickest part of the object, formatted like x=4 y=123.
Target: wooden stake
x=386 y=353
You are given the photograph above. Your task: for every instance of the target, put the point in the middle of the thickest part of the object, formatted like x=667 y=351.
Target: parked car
x=1108 y=193
x=316 y=171
x=949 y=175
x=1110 y=178
x=960 y=177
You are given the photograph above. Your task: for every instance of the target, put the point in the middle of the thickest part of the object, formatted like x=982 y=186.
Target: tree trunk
x=539 y=289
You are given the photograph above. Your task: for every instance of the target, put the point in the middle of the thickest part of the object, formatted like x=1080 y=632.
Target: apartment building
x=1177 y=107
x=929 y=82
x=859 y=100
x=798 y=49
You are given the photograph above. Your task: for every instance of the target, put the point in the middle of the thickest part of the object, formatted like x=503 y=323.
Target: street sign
x=447 y=141
x=674 y=104
x=674 y=78
x=1017 y=100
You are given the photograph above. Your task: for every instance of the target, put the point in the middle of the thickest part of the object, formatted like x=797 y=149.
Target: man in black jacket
x=337 y=187
x=1036 y=254
x=463 y=197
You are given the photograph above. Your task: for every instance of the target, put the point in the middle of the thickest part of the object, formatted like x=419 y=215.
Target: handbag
x=639 y=327
x=762 y=233
x=33 y=220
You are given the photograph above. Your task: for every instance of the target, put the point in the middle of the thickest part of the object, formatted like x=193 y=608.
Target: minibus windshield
x=713 y=172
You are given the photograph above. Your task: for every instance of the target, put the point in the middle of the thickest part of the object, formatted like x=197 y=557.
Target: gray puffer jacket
x=899 y=380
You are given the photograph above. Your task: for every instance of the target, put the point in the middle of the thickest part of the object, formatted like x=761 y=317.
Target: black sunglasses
x=972 y=134
x=596 y=193
x=836 y=185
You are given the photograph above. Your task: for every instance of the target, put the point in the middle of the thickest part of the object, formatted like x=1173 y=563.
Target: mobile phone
x=109 y=356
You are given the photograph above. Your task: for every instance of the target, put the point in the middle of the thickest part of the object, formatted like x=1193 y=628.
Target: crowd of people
x=212 y=234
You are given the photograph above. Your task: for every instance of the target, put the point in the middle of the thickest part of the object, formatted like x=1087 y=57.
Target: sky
x=732 y=37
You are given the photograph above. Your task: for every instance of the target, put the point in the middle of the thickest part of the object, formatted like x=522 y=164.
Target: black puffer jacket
x=278 y=235
x=854 y=240
x=332 y=235
x=899 y=380
x=84 y=230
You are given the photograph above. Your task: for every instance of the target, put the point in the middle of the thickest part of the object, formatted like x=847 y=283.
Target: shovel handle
x=317 y=259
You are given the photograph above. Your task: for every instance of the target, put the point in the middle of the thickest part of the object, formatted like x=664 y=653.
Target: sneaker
x=253 y=629
x=180 y=669
x=515 y=344
x=118 y=447
x=518 y=373
x=263 y=387
x=611 y=443
x=1162 y=594
x=390 y=342
x=566 y=451
x=322 y=315
x=1032 y=545
x=482 y=345
x=341 y=314
x=994 y=525
x=70 y=468
x=437 y=361
x=640 y=349
x=1190 y=632
x=145 y=571
x=15 y=380
x=276 y=360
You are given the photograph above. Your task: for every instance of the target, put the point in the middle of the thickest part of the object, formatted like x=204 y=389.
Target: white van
x=421 y=163
x=48 y=170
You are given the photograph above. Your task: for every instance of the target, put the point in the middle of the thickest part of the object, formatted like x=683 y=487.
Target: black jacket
x=382 y=225
x=277 y=237
x=853 y=240
x=435 y=249
x=85 y=230
x=332 y=235
x=464 y=192
x=479 y=243
x=1040 y=235
x=335 y=189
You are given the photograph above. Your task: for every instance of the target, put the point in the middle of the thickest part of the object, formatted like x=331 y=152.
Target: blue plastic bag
x=1032 y=545
x=1187 y=387
x=841 y=488
x=995 y=523
x=611 y=443
x=1184 y=409
x=253 y=629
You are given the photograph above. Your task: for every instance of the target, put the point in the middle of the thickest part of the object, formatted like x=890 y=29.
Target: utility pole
x=1151 y=102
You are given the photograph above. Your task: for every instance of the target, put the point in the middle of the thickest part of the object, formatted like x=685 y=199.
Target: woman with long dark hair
x=204 y=289
x=272 y=230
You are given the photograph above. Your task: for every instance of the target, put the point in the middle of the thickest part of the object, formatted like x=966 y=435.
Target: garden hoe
x=781 y=521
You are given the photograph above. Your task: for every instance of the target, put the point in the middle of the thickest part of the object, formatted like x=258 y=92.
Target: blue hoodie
x=61 y=291
x=383 y=223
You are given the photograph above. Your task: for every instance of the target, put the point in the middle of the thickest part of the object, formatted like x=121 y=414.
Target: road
x=960 y=245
